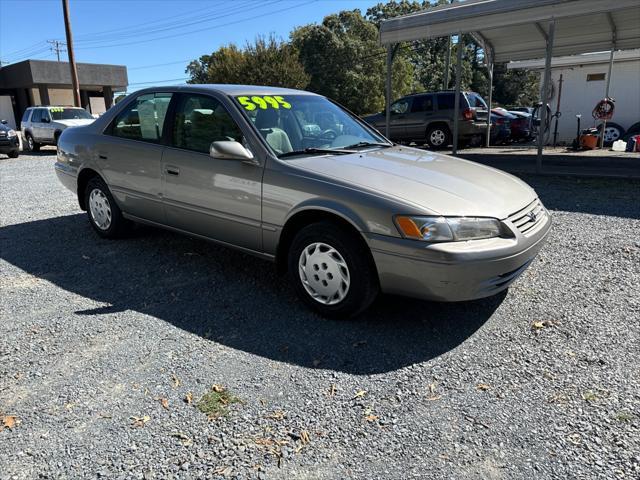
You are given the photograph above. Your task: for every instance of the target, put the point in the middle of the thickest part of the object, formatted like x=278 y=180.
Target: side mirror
x=4 y=122
x=230 y=150
x=46 y=120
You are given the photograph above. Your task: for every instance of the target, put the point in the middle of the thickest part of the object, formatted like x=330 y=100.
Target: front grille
x=530 y=217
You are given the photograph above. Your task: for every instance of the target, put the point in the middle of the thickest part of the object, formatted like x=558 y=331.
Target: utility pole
x=72 y=59
x=56 y=46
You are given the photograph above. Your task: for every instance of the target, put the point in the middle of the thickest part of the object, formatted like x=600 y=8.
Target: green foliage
x=345 y=62
x=342 y=59
x=265 y=62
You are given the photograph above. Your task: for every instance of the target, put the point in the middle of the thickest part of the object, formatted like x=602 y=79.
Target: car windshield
x=306 y=124
x=62 y=113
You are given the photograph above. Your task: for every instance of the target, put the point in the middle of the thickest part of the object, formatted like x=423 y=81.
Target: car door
x=398 y=126
x=130 y=156
x=219 y=199
x=419 y=116
x=46 y=126
x=35 y=124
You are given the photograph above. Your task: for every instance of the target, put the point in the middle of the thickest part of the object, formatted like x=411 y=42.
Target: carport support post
x=456 y=100
x=606 y=94
x=545 y=91
x=387 y=107
x=490 y=67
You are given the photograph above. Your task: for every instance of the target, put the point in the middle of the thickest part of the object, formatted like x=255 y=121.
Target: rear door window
x=143 y=119
x=476 y=101
x=25 y=116
x=422 y=104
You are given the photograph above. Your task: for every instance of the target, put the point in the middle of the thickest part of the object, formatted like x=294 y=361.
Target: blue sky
x=146 y=33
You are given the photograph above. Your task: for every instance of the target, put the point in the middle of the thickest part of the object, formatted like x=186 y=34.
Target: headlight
x=447 y=229
x=11 y=133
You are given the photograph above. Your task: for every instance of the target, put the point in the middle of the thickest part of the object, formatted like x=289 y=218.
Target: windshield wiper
x=368 y=144
x=312 y=150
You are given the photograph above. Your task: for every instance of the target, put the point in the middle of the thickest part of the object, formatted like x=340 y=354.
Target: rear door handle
x=171 y=170
x=102 y=157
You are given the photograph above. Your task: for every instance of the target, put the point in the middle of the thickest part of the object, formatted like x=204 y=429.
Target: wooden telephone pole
x=72 y=59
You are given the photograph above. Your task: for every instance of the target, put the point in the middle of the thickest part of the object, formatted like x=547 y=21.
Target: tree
x=344 y=61
x=265 y=62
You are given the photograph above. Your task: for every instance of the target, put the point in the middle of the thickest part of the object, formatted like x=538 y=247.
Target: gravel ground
x=102 y=342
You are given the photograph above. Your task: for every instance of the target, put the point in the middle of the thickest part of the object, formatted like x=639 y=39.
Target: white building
x=584 y=80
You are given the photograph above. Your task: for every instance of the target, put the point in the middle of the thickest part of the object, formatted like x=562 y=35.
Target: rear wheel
x=32 y=145
x=104 y=214
x=330 y=270
x=438 y=136
x=14 y=154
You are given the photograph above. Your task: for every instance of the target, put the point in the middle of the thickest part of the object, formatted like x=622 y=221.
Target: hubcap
x=324 y=273
x=611 y=134
x=437 y=137
x=100 y=209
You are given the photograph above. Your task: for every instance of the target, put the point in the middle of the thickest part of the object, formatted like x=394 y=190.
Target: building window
x=595 y=77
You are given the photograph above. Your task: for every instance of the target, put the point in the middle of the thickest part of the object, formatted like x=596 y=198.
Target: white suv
x=43 y=125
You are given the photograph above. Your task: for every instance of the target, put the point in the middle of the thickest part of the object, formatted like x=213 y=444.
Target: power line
x=56 y=46
x=129 y=32
x=202 y=29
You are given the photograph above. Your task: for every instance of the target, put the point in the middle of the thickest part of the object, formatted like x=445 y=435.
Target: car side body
x=39 y=125
x=9 y=140
x=415 y=118
x=259 y=203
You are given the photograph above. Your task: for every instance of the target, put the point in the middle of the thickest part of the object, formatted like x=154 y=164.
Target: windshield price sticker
x=263 y=102
x=56 y=109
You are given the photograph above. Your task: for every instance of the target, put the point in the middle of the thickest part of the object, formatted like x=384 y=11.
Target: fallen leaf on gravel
x=224 y=471
x=176 y=380
x=360 y=394
x=8 y=421
x=483 y=386
x=188 y=398
x=164 y=402
x=264 y=441
x=372 y=418
x=304 y=437
x=332 y=390
x=216 y=387
x=574 y=438
x=140 y=421
x=432 y=393
x=538 y=325
x=186 y=441
x=541 y=324
x=276 y=415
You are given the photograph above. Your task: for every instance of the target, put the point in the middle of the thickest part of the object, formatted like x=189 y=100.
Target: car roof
x=228 y=89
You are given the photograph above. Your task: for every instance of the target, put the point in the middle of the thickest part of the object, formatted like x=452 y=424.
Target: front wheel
x=32 y=145
x=104 y=214
x=331 y=271
x=14 y=154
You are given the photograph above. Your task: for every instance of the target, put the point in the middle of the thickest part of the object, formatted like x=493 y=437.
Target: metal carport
x=510 y=30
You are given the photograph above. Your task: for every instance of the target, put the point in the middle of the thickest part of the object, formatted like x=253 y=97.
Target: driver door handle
x=172 y=170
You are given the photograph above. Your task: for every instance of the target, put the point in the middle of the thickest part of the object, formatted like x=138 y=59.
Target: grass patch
x=625 y=417
x=215 y=403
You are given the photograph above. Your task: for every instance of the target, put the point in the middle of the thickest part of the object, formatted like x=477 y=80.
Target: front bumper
x=455 y=271
x=9 y=144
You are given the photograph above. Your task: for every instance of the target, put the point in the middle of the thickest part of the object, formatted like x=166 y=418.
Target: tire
x=32 y=145
x=14 y=154
x=612 y=132
x=339 y=259
x=438 y=136
x=103 y=212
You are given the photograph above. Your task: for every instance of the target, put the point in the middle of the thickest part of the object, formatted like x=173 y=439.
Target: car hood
x=431 y=182
x=76 y=122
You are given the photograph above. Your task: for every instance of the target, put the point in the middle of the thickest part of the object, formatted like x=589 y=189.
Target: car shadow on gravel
x=232 y=298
